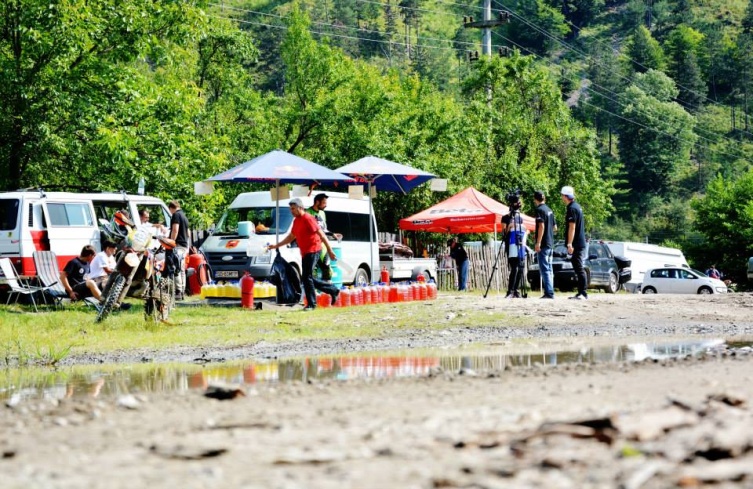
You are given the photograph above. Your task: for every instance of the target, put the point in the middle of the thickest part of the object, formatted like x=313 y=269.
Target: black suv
x=604 y=270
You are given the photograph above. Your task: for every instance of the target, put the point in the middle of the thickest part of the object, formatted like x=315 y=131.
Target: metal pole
x=277 y=211
x=487 y=42
x=371 y=234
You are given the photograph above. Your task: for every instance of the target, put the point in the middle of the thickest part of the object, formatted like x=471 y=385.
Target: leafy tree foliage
x=726 y=212
x=656 y=136
x=644 y=52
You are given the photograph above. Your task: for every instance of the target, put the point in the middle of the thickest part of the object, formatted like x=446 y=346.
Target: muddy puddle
x=115 y=380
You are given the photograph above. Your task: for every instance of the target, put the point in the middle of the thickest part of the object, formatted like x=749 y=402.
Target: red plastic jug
x=423 y=291
x=432 y=290
x=394 y=293
x=324 y=300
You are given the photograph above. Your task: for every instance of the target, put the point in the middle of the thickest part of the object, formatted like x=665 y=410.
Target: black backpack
x=285 y=277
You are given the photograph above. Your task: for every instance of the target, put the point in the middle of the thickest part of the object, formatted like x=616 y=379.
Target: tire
x=420 y=273
x=649 y=290
x=614 y=284
x=705 y=290
x=112 y=297
x=361 y=277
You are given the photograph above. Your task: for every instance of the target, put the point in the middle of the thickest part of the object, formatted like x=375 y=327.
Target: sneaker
x=308 y=308
x=334 y=295
x=579 y=297
x=546 y=297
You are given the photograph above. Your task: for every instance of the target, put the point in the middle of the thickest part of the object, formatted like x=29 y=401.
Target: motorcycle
x=140 y=271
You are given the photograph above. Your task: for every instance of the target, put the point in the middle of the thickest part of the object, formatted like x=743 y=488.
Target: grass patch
x=48 y=337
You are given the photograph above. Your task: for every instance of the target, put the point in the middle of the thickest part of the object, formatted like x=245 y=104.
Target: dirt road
x=653 y=424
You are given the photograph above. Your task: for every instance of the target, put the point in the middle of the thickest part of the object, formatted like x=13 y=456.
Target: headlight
x=567 y=265
x=263 y=259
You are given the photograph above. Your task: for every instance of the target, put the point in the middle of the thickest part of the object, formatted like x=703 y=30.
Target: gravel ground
x=652 y=424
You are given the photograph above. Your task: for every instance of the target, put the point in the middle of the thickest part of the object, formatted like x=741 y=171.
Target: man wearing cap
x=575 y=240
x=458 y=253
x=544 y=243
x=310 y=237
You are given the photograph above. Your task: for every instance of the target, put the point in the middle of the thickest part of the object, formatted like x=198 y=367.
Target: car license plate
x=226 y=274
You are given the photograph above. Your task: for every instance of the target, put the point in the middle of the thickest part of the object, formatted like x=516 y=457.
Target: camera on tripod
x=513 y=199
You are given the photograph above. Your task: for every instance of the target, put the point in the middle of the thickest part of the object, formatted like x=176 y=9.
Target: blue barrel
x=337 y=273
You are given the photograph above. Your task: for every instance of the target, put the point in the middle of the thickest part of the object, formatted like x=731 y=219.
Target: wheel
x=614 y=284
x=112 y=297
x=420 y=273
x=649 y=290
x=361 y=277
x=705 y=290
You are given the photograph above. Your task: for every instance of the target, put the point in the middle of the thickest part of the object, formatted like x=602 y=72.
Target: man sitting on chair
x=75 y=276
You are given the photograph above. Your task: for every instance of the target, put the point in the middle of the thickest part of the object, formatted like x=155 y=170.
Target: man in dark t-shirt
x=75 y=276
x=179 y=232
x=545 y=228
x=458 y=253
x=575 y=239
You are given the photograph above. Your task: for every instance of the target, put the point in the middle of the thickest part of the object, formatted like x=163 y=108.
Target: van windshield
x=8 y=214
x=262 y=220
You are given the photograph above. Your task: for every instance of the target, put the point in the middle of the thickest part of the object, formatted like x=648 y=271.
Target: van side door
x=70 y=226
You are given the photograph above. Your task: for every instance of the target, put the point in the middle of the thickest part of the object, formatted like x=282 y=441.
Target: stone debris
x=224 y=392
x=675 y=446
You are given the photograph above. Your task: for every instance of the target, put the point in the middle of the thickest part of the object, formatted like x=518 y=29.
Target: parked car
x=680 y=280
x=603 y=269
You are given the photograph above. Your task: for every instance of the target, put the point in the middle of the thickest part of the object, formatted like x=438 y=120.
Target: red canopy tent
x=468 y=211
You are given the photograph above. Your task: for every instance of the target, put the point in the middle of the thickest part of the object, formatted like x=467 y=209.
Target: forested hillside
x=643 y=107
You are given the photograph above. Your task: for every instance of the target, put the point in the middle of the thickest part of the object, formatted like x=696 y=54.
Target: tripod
x=518 y=234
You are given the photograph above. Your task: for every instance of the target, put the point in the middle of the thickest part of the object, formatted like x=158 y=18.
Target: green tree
x=683 y=49
x=531 y=139
x=656 y=136
x=644 y=52
x=724 y=216
x=537 y=27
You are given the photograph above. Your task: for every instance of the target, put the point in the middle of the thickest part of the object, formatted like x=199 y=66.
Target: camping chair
x=46 y=263
x=18 y=287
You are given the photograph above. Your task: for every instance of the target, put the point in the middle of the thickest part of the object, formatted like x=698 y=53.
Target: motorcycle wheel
x=117 y=287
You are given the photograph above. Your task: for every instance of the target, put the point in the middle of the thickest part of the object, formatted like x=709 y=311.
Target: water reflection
x=115 y=380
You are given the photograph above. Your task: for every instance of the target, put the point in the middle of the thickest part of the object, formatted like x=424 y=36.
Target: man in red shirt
x=310 y=237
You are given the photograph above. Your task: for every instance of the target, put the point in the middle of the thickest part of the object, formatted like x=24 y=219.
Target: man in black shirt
x=75 y=276
x=575 y=239
x=458 y=253
x=545 y=228
x=179 y=232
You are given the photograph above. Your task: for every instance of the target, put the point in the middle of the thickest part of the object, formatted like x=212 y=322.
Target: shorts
x=82 y=291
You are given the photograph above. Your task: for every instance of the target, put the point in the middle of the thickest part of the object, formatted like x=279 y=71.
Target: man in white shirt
x=103 y=264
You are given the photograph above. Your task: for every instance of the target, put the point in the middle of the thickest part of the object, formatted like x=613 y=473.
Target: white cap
x=568 y=191
x=296 y=201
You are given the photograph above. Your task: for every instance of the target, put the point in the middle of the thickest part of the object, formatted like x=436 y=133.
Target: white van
x=63 y=222
x=643 y=257
x=250 y=223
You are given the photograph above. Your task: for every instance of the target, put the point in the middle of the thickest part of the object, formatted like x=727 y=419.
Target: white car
x=680 y=280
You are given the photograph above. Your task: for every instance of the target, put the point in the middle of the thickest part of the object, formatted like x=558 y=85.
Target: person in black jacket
x=458 y=253
x=575 y=240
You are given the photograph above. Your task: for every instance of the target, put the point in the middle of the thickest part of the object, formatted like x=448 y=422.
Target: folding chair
x=17 y=287
x=46 y=263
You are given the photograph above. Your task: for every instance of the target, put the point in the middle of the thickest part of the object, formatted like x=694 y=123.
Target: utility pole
x=486 y=25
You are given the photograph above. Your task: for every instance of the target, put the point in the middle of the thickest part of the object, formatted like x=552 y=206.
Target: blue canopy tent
x=384 y=175
x=281 y=167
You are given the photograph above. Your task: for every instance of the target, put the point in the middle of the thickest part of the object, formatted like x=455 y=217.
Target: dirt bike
x=140 y=272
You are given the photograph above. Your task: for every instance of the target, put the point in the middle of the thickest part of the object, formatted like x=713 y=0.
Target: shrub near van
x=63 y=222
